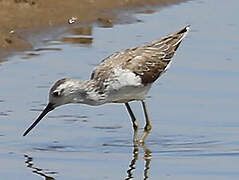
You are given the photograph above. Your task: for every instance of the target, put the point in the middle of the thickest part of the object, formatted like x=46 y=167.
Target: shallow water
x=194 y=106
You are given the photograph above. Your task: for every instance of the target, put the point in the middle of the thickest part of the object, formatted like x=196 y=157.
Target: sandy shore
x=29 y=15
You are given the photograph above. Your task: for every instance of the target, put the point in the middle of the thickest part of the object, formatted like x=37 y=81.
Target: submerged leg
x=134 y=121
x=148 y=125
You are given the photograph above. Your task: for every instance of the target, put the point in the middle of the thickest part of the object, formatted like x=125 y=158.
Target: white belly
x=128 y=93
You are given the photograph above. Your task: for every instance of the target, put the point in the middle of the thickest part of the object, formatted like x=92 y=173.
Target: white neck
x=87 y=93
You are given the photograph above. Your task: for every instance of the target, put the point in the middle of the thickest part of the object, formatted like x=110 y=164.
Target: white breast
x=124 y=86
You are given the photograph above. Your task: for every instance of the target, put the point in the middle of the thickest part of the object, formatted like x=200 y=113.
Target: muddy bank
x=17 y=16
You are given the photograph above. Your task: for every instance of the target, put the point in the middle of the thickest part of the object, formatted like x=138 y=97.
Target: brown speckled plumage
x=148 y=61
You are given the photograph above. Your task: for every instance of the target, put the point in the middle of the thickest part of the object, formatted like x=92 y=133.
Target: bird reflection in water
x=38 y=171
x=132 y=165
x=135 y=157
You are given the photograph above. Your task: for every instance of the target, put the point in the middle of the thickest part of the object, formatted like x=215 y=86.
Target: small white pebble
x=72 y=20
x=12 y=31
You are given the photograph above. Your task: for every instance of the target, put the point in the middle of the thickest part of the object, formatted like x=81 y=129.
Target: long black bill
x=48 y=108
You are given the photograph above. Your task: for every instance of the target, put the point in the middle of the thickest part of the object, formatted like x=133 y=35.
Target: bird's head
x=64 y=91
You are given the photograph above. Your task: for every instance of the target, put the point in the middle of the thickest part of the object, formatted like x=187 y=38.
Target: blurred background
x=193 y=107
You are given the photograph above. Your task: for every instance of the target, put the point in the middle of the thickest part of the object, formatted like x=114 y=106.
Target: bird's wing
x=148 y=61
x=105 y=68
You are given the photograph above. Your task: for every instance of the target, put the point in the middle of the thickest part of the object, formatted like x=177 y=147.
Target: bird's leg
x=134 y=121
x=148 y=125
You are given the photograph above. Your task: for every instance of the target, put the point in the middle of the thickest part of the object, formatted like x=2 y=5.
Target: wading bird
x=120 y=78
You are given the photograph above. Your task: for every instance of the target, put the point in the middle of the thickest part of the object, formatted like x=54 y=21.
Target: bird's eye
x=56 y=93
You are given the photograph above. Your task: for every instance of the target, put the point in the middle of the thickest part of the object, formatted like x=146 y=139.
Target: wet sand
x=19 y=17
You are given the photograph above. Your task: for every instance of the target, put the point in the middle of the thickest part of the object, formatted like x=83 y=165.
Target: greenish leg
x=148 y=126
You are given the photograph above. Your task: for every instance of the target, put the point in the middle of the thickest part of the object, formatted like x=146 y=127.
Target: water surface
x=194 y=106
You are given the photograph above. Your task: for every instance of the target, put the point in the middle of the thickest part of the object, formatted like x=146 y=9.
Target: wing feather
x=148 y=61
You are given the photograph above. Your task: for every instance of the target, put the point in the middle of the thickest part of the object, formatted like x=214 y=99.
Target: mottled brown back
x=148 y=61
